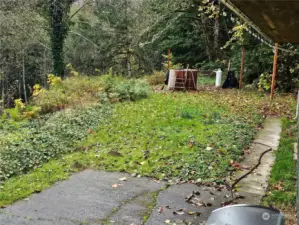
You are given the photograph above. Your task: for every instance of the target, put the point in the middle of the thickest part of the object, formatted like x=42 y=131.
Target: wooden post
x=169 y=58
x=242 y=68
x=274 y=71
x=228 y=67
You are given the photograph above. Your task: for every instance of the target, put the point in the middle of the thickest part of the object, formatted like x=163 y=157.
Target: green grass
x=179 y=136
x=282 y=183
x=175 y=136
x=209 y=80
x=206 y=80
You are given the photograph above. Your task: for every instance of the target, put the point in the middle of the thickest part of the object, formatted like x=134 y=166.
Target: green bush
x=81 y=91
x=72 y=92
x=13 y=113
x=158 y=77
x=120 y=89
x=265 y=82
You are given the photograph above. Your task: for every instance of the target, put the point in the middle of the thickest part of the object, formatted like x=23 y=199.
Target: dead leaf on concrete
x=244 y=167
x=179 y=212
x=160 y=210
x=116 y=185
x=194 y=213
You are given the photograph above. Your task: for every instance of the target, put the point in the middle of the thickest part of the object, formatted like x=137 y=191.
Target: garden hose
x=256 y=166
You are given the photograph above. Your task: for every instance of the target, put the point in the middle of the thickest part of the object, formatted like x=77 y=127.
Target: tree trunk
x=44 y=70
x=129 y=64
x=2 y=80
x=57 y=12
x=206 y=38
x=216 y=36
x=24 y=79
x=19 y=86
x=3 y=89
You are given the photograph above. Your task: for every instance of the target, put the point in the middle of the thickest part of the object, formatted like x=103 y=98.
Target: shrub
x=13 y=114
x=120 y=89
x=72 y=92
x=81 y=91
x=156 y=78
x=265 y=82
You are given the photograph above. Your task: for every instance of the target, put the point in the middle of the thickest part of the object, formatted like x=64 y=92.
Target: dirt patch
x=290 y=214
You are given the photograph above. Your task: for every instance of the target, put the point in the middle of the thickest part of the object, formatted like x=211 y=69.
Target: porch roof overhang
x=277 y=20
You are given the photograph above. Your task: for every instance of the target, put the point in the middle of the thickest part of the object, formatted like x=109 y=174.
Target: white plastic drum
x=172 y=79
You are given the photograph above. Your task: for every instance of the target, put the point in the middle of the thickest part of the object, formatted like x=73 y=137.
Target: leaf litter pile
x=182 y=136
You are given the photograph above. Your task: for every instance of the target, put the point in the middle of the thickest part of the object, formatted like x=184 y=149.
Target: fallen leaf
x=279 y=186
x=179 y=213
x=189 y=197
x=194 y=213
x=160 y=210
x=123 y=179
x=167 y=221
x=244 y=167
x=115 y=153
x=116 y=185
x=236 y=165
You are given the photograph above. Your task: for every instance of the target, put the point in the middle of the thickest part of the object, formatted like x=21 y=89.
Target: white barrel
x=172 y=79
x=218 y=77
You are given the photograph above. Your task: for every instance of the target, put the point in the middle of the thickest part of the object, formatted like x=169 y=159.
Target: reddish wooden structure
x=188 y=78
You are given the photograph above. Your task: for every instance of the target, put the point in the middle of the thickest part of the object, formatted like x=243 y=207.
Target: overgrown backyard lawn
x=177 y=136
x=185 y=136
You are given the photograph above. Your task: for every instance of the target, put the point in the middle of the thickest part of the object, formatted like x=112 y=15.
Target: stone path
x=89 y=198
x=256 y=183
